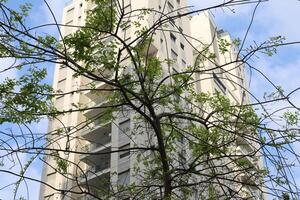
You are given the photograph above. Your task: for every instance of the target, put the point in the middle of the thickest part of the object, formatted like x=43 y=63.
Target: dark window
x=219 y=83
x=171 y=7
x=123 y=154
x=174 y=55
x=182 y=46
x=62 y=80
x=173 y=37
x=172 y=21
x=180 y=29
x=124 y=178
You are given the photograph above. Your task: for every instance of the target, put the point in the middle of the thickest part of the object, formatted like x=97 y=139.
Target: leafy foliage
x=185 y=142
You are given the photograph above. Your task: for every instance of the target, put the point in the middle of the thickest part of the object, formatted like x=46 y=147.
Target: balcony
x=96 y=130
x=95 y=109
x=95 y=147
x=101 y=148
x=244 y=152
x=98 y=99
x=150 y=50
x=243 y=140
x=96 y=171
x=96 y=180
x=98 y=85
x=98 y=165
x=87 y=83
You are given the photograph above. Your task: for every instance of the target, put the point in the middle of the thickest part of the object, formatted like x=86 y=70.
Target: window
x=70 y=11
x=62 y=72
x=123 y=154
x=179 y=14
x=61 y=84
x=124 y=178
x=60 y=102
x=124 y=132
x=182 y=46
x=181 y=139
x=126 y=26
x=62 y=80
x=182 y=158
x=69 y=22
x=172 y=21
x=62 y=66
x=49 y=197
x=127 y=9
x=174 y=55
x=180 y=29
x=68 y=27
x=127 y=39
x=178 y=1
x=175 y=70
x=124 y=127
x=219 y=83
x=170 y=6
x=173 y=37
x=69 y=16
x=79 y=21
x=51 y=173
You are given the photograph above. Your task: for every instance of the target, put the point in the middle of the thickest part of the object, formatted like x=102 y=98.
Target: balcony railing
x=95 y=109
x=101 y=100
x=95 y=126
x=92 y=147
x=245 y=152
x=94 y=171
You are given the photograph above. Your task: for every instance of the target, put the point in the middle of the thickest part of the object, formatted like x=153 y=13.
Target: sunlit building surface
x=100 y=171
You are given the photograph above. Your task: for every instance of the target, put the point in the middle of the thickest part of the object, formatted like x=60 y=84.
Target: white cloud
x=281 y=17
x=275 y=17
x=285 y=75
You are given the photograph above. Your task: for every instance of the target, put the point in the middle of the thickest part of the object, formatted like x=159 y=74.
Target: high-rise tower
x=179 y=40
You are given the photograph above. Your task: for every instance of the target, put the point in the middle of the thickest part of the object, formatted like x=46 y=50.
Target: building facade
x=186 y=36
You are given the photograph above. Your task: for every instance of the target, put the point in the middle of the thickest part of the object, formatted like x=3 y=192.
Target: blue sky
x=276 y=17
x=273 y=18
x=39 y=15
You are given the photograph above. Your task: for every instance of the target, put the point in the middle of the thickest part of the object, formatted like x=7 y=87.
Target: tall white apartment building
x=97 y=171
